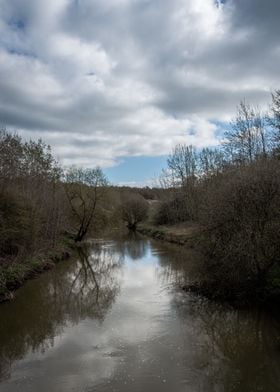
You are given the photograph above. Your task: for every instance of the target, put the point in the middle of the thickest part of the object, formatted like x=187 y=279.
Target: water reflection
x=234 y=350
x=177 y=264
x=84 y=287
x=94 y=283
x=132 y=245
x=114 y=319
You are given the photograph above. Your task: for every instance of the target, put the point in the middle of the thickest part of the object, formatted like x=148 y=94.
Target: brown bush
x=240 y=214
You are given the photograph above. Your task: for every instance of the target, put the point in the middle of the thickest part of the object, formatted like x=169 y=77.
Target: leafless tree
x=182 y=163
x=274 y=119
x=211 y=161
x=84 y=188
x=246 y=139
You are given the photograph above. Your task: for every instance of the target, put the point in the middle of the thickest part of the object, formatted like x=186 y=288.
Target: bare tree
x=246 y=139
x=182 y=163
x=274 y=120
x=211 y=161
x=84 y=188
x=11 y=157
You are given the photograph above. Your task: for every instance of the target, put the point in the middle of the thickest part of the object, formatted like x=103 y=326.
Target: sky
x=118 y=83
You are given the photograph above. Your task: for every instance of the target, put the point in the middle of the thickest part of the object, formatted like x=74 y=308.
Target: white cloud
x=103 y=80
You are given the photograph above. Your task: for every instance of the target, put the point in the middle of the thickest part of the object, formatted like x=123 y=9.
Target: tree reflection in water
x=213 y=347
x=180 y=268
x=132 y=245
x=94 y=284
x=233 y=350
x=83 y=287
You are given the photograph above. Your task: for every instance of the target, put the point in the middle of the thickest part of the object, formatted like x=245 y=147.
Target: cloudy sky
x=118 y=83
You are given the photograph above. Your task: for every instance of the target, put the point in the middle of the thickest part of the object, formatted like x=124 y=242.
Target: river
x=113 y=318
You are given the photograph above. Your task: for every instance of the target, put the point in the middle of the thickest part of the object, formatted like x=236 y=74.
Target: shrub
x=241 y=218
x=134 y=209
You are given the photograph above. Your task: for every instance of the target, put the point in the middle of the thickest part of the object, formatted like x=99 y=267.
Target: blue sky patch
x=136 y=170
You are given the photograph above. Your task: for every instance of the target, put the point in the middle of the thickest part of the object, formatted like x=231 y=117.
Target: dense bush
x=31 y=198
x=15 y=225
x=240 y=214
x=172 y=211
x=134 y=209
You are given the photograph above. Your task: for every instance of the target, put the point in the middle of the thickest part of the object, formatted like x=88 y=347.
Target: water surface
x=115 y=319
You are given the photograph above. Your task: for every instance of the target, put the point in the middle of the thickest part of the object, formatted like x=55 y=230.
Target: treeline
x=148 y=193
x=233 y=192
x=43 y=208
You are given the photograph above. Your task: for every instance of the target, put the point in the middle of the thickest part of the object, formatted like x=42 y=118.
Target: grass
x=181 y=234
x=14 y=273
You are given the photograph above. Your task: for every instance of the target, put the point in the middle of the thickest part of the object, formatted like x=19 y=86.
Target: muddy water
x=114 y=319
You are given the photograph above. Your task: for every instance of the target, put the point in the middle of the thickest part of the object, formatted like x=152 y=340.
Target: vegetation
x=45 y=209
x=134 y=209
x=41 y=208
x=84 y=188
x=230 y=195
x=233 y=193
x=31 y=198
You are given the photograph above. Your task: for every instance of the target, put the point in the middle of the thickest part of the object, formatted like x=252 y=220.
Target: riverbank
x=250 y=292
x=14 y=274
x=186 y=234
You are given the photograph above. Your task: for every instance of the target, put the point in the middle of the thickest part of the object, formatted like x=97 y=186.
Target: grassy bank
x=14 y=274
x=181 y=234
